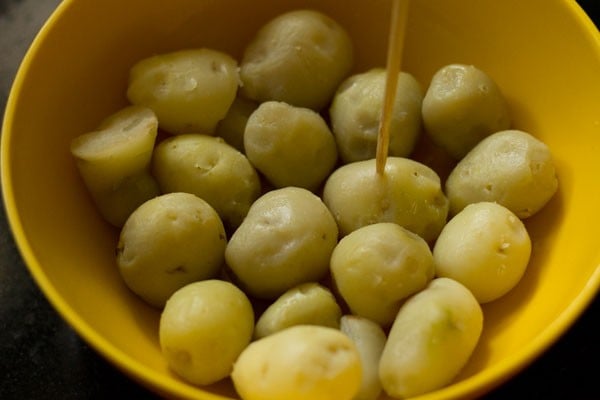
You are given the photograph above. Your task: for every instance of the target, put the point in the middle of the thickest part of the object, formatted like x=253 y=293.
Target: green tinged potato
x=189 y=90
x=286 y=239
x=170 y=241
x=299 y=57
x=203 y=329
x=114 y=162
x=299 y=363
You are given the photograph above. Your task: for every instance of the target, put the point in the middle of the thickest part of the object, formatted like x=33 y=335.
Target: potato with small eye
x=167 y=242
x=356 y=114
x=299 y=57
x=291 y=146
x=431 y=340
x=298 y=363
x=462 y=106
x=407 y=193
x=212 y=170
x=286 y=239
x=485 y=247
x=203 y=329
x=511 y=168
x=376 y=267
x=114 y=162
x=189 y=90
x=369 y=339
x=306 y=304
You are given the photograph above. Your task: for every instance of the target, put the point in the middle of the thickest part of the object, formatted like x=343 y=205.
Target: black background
x=43 y=358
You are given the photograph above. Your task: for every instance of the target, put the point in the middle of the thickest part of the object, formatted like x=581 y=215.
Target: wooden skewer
x=394 y=62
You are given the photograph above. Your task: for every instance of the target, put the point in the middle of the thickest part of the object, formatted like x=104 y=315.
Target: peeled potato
x=369 y=339
x=286 y=239
x=485 y=247
x=408 y=193
x=511 y=168
x=299 y=363
x=189 y=90
x=170 y=241
x=212 y=170
x=432 y=338
x=306 y=304
x=462 y=106
x=376 y=267
x=203 y=329
x=356 y=114
x=114 y=162
x=299 y=57
x=291 y=146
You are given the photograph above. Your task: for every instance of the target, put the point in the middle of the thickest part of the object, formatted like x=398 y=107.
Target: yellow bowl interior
x=545 y=55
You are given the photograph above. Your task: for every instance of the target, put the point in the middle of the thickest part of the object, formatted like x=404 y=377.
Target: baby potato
x=291 y=146
x=432 y=338
x=485 y=247
x=407 y=193
x=203 y=329
x=298 y=363
x=286 y=239
x=376 y=267
x=370 y=340
x=306 y=304
x=167 y=242
x=114 y=162
x=189 y=90
x=299 y=57
x=511 y=168
x=232 y=127
x=462 y=106
x=356 y=114
x=212 y=170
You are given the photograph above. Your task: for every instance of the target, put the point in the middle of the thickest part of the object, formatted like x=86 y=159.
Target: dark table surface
x=43 y=358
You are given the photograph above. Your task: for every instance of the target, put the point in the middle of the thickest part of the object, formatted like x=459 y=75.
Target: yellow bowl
x=544 y=54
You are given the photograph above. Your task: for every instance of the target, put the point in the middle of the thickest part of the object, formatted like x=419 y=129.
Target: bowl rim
x=477 y=384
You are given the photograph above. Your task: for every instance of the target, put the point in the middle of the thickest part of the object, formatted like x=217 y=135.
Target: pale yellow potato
x=376 y=267
x=485 y=247
x=203 y=329
x=114 y=162
x=167 y=242
x=212 y=170
x=408 y=193
x=286 y=239
x=511 y=168
x=369 y=339
x=432 y=338
x=299 y=363
x=356 y=114
x=462 y=106
x=291 y=146
x=232 y=127
x=306 y=304
x=299 y=57
x=189 y=90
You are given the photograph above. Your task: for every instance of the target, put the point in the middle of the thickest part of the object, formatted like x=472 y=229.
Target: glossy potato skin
x=408 y=193
x=511 y=168
x=170 y=241
x=462 y=106
x=203 y=329
x=286 y=239
x=299 y=57
x=298 y=363
x=212 y=170
x=356 y=114
x=377 y=266
x=189 y=90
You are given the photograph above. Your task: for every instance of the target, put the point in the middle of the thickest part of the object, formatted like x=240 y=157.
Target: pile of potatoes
x=251 y=214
